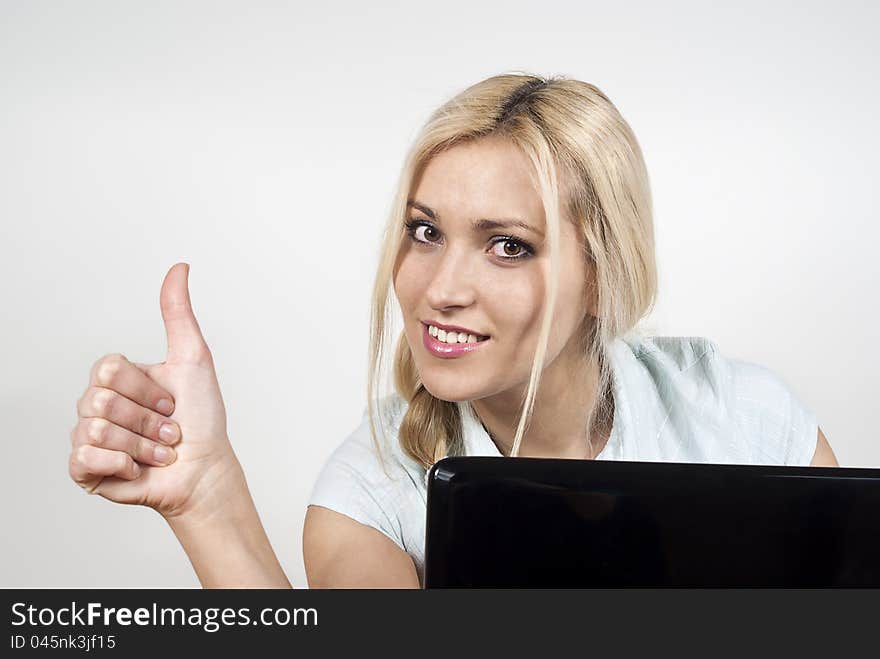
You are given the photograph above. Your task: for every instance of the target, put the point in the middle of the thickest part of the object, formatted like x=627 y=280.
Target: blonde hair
x=579 y=145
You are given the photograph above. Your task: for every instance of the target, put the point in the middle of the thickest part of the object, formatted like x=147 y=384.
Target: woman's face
x=473 y=266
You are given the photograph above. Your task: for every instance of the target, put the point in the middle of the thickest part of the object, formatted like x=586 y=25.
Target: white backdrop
x=261 y=145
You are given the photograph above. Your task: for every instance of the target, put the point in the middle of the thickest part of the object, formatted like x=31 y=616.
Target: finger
x=90 y=463
x=111 y=405
x=185 y=340
x=113 y=488
x=148 y=369
x=116 y=372
x=105 y=434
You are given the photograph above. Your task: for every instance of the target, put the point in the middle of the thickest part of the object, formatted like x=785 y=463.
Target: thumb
x=185 y=340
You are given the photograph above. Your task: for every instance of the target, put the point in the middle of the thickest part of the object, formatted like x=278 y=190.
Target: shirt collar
x=627 y=375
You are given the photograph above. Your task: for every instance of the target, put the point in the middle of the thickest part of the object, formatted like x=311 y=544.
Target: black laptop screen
x=547 y=523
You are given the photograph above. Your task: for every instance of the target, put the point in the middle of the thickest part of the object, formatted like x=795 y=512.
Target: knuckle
x=83 y=403
x=81 y=455
x=77 y=433
x=98 y=432
x=144 y=426
x=124 y=462
x=74 y=470
x=108 y=368
x=138 y=447
x=205 y=358
x=102 y=401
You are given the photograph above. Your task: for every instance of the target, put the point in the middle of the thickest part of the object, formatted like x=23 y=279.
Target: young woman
x=520 y=252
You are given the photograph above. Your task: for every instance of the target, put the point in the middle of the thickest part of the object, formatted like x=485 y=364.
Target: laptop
x=496 y=522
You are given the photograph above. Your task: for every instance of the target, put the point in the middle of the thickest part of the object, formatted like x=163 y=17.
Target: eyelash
x=527 y=250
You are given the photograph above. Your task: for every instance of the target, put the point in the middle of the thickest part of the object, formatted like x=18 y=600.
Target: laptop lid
x=495 y=522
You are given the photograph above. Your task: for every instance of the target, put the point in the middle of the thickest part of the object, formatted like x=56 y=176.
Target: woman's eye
x=429 y=234
x=507 y=248
x=423 y=233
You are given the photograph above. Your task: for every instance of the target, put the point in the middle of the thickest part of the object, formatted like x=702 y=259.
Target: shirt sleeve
x=353 y=482
x=779 y=427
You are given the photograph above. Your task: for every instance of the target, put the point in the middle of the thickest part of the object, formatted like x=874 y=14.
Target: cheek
x=513 y=302
x=570 y=309
x=409 y=281
x=518 y=307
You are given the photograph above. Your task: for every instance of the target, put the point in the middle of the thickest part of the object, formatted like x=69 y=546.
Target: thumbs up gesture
x=155 y=434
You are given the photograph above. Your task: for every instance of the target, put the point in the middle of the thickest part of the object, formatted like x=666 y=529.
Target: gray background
x=261 y=143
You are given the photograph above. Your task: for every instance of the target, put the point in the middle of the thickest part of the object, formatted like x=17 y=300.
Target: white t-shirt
x=676 y=399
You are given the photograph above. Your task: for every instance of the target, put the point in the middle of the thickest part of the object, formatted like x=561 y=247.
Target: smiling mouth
x=451 y=342
x=453 y=337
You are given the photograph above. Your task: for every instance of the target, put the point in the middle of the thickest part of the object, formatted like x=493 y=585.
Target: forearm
x=228 y=547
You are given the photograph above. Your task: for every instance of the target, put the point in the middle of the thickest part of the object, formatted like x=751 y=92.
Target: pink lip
x=448 y=350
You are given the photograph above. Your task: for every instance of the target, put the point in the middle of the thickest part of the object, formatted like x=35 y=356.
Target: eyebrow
x=481 y=224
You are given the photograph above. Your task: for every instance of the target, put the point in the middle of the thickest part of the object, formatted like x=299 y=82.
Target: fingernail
x=164 y=406
x=137 y=470
x=168 y=432
x=162 y=454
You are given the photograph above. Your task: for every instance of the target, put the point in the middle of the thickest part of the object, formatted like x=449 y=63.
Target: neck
x=558 y=426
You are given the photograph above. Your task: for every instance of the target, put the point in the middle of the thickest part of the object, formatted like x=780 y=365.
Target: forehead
x=489 y=177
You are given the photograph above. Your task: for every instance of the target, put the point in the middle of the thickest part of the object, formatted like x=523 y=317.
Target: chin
x=453 y=388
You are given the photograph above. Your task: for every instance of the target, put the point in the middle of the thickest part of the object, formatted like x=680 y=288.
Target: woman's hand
x=118 y=449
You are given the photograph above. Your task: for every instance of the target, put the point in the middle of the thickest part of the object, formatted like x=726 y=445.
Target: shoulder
x=678 y=352
x=366 y=454
x=369 y=478
x=673 y=356
x=679 y=368
x=770 y=409
x=751 y=411
x=698 y=361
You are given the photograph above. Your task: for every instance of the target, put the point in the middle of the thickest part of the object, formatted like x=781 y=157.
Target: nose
x=452 y=284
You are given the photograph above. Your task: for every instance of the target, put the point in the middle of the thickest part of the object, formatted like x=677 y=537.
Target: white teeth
x=451 y=337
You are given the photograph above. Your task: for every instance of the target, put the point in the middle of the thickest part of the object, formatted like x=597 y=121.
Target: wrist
x=225 y=539
x=220 y=495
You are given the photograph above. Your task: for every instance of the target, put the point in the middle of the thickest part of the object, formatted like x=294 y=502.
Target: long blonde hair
x=579 y=145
